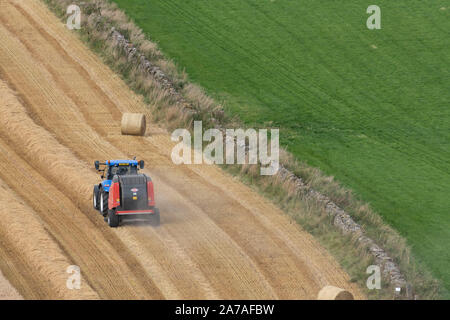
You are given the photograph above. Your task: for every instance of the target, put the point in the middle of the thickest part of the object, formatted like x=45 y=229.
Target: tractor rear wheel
x=95 y=198
x=103 y=203
x=113 y=219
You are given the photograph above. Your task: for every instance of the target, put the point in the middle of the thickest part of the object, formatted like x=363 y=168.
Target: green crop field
x=370 y=107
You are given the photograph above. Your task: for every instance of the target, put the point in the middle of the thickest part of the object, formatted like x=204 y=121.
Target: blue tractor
x=124 y=193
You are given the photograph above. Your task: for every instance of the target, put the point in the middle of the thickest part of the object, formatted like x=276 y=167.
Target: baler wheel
x=155 y=218
x=113 y=219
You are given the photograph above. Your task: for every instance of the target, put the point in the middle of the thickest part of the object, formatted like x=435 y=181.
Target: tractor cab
x=117 y=167
x=121 y=169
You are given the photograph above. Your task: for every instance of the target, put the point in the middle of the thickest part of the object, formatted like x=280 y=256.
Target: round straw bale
x=334 y=293
x=133 y=123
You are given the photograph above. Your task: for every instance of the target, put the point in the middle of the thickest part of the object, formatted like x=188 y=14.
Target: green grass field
x=370 y=107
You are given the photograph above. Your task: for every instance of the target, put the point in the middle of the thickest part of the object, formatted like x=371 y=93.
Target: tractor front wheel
x=103 y=203
x=113 y=219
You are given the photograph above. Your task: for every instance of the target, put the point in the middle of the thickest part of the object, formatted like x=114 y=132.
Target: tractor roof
x=119 y=162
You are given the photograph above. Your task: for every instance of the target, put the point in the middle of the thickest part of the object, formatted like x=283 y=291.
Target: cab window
x=121 y=170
